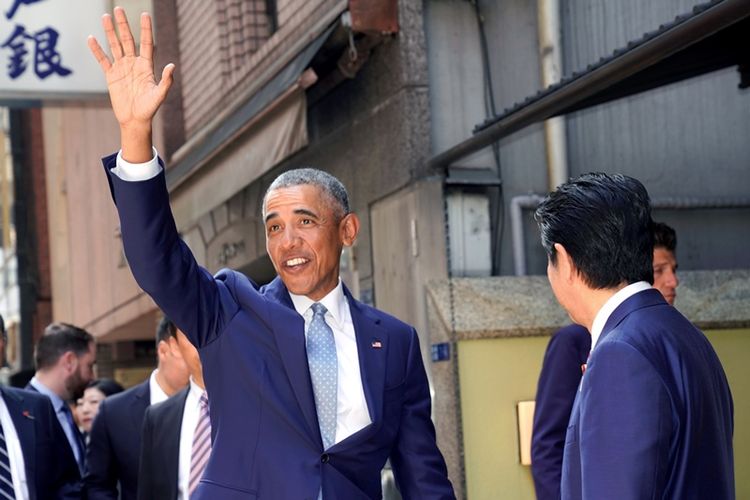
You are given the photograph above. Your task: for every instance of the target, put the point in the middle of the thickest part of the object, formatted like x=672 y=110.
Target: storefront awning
x=713 y=36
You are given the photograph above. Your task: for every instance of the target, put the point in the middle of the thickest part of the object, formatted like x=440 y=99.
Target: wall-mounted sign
x=43 y=51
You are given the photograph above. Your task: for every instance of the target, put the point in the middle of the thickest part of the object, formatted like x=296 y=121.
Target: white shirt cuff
x=133 y=172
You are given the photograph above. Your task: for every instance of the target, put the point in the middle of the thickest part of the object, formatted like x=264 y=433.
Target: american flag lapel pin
x=27 y=414
x=377 y=344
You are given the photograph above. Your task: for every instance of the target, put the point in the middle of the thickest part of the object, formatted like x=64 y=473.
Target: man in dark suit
x=310 y=390
x=115 y=442
x=653 y=414
x=169 y=432
x=33 y=468
x=566 y=356
x=65 y=358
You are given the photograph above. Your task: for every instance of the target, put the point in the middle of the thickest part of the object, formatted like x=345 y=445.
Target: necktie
x=201 y=445
x=6 y=479
x=78 y=445
x=321 y=358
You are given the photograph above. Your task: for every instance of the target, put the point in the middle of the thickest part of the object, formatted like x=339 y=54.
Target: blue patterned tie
x=321 y=357
x=6 y=479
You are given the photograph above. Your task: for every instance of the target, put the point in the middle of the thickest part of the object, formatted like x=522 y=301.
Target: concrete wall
x=502 y=326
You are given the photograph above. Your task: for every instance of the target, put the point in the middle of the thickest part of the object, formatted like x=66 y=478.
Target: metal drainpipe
x=550 y=59
x=529 y=201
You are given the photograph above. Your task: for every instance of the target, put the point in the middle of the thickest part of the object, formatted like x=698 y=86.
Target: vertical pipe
x=550 y=59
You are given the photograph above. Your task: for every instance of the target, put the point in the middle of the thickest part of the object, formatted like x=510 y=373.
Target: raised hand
x=133 y=90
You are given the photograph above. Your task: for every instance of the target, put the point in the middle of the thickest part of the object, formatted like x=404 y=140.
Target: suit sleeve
x=418 y=465
x=161 y=262
x=145 y=464
x=558 y=383
x=100 y=480
x=625 y=425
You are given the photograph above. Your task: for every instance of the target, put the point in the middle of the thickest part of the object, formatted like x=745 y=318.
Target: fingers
x=147 y=37
x=109 y=32
x=166 y=80
x=126 y=37
x=99 y=54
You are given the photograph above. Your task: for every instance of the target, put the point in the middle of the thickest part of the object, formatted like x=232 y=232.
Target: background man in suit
x=311 y=390
x=29 y=466
x=115 y=441
x=65 y=358
x=566 y=354
x=653 y=415
x=170 y=430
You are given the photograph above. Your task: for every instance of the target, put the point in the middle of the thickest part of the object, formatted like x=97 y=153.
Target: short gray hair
x=327 y=183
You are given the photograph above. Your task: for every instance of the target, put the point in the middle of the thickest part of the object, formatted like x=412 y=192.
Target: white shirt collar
x=156 y=393
x=335 y=302
x=609 y=307
x=195 y=389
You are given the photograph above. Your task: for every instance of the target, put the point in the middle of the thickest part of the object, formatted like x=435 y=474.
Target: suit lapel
x=141 y=401
x=171 y=425
x=23 y=421
x=372 y=350
x=645 y=298
x=289 y=330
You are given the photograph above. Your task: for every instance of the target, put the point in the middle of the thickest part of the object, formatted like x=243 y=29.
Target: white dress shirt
x=351 y=406
x=609 y=307
x=15 y=454
x=156 y=393
x=351 y=409
x=190 y=416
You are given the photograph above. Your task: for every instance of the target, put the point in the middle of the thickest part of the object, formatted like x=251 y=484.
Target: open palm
x=133 y=90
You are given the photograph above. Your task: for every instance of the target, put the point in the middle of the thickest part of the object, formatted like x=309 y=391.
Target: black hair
x=604 y=223
x=106 y=385
x=664 y=236
x=165 y=330
x=58 y=339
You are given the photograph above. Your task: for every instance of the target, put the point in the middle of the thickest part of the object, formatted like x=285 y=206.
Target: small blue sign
x=441 y=352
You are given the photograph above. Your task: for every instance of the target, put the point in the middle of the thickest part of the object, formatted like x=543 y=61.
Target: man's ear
x=349 y=228
x=70 y=361
x=564 y=264
x=162 y=349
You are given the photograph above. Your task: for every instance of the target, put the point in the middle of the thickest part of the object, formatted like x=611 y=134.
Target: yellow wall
x=494 y=375
x=733 y=348
x=497 y=373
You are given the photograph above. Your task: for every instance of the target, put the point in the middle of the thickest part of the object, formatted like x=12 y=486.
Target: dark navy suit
x=112 y=454
x=567 y=350
x=51 y=469
x=266 y=438
x=160 y=448
x=653 y=418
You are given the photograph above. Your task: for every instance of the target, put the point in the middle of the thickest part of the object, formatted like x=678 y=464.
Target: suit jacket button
x=325 y=458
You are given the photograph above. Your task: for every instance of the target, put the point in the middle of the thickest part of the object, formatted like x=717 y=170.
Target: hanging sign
x=43 y=51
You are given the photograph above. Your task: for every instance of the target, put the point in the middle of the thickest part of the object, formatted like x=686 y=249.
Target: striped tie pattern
x=6 y=479
x=201 y=446
x=323 y=363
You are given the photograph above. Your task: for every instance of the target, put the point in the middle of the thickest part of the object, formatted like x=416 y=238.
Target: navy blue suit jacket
x=51 y=469
x=114 y=447
x=266 y=439
x=653 y=418
x=160 y=448
x=567 y=350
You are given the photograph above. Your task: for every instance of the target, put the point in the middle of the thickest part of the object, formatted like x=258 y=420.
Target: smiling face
x=305 y=234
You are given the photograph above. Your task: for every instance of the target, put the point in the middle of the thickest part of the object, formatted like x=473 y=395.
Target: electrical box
x=470 y=240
